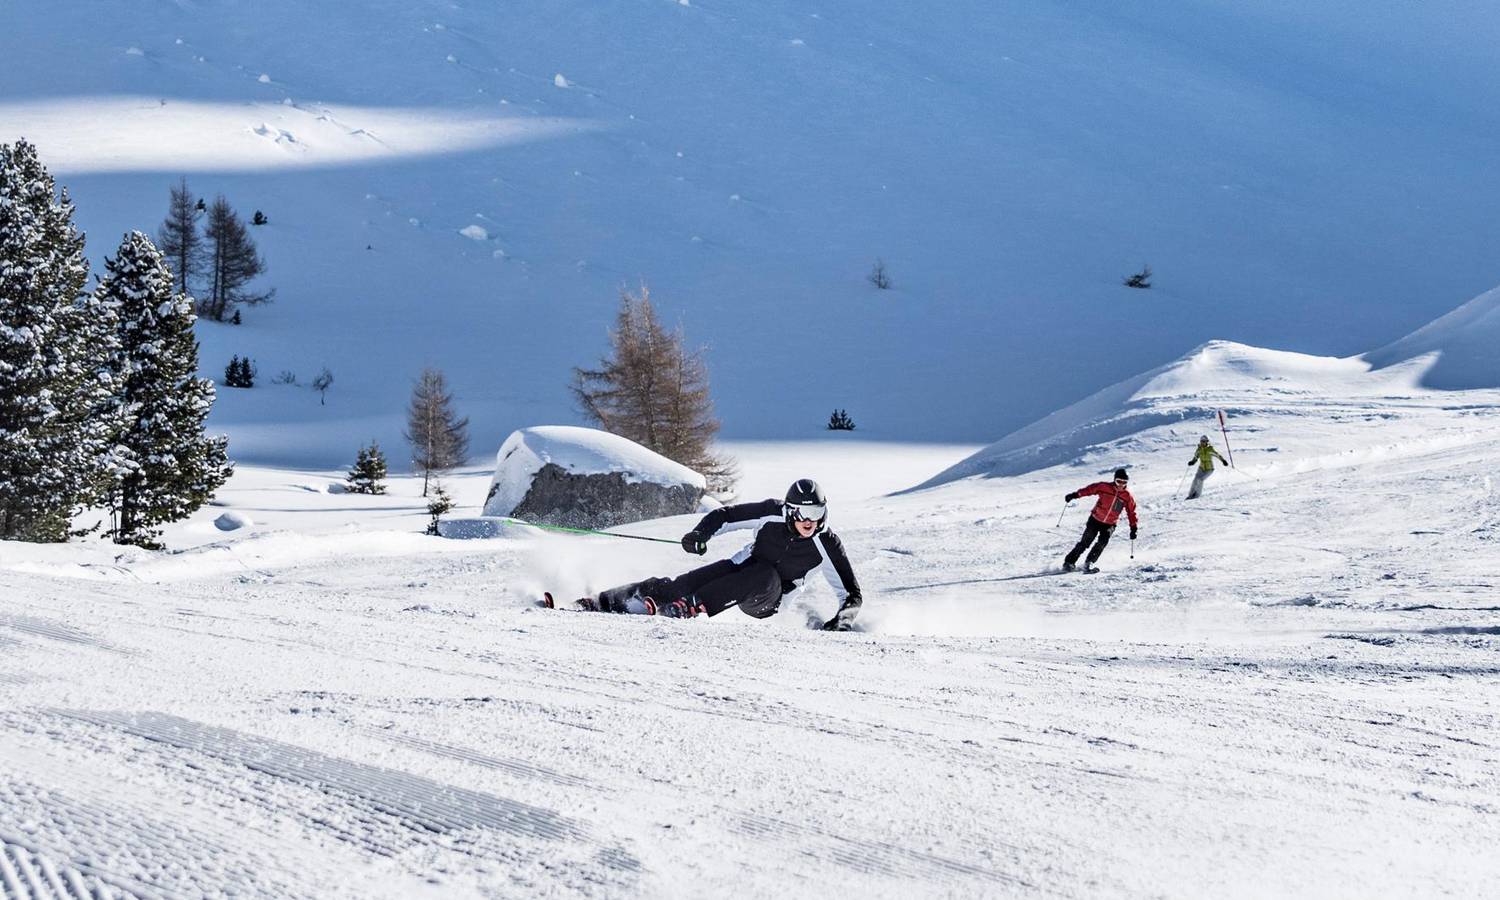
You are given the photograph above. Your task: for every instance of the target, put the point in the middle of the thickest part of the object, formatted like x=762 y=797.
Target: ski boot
x=675 y=609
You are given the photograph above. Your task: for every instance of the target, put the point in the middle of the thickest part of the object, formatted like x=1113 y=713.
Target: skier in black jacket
x=785 y=549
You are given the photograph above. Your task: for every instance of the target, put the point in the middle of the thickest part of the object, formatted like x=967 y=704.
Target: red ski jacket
x=1111 y=500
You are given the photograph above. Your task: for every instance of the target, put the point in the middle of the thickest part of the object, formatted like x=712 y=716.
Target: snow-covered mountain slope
x=1286 y=411
x=1289 y=691
x=468 y=185
x=1465 y=344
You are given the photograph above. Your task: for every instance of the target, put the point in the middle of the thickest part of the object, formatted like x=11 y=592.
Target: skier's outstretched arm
x=696 y=541
x=847 y=585
x=1088 y=491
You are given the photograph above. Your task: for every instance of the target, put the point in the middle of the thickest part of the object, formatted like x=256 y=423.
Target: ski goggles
x=807 y=512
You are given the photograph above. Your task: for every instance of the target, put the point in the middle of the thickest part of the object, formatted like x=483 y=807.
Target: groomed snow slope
x=468 y=185
x=1290 y=691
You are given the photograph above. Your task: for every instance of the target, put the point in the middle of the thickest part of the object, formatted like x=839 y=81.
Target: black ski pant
x=1096 y=533
x=753 y=585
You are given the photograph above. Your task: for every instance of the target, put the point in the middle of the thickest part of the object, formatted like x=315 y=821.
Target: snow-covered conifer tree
x=58 y=415
x=368 y=474
x=173 y=467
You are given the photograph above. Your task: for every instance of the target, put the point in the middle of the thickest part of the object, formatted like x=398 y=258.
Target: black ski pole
x=1063 y=513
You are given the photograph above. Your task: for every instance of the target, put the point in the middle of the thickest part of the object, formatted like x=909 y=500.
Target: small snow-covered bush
x=437 y=504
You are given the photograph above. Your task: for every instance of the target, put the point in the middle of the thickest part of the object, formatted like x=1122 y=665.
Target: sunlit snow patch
x=135 y=134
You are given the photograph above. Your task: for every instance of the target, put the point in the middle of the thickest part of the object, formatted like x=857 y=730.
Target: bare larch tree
x=178 y=237
x=233 y=263
x=654 y=391
x=439 y=438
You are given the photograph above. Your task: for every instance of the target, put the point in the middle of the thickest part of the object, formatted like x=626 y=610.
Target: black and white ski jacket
x=792 y=555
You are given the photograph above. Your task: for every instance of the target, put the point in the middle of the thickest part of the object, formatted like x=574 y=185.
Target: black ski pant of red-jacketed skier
x=1096 y=533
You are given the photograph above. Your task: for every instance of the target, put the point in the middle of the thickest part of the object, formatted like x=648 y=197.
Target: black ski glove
x=1132 y=534
x=1071 y=497
x=844 y=619
x=693 y=542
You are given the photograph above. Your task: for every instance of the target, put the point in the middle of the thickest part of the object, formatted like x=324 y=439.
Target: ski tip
x=547 y=601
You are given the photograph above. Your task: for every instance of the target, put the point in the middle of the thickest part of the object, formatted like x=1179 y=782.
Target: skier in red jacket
x=1113 y=498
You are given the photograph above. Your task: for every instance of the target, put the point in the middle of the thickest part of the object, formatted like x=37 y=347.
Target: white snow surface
x=1291 y=690
x=581 y=451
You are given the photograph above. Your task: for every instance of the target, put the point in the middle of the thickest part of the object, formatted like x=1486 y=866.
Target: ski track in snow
x=43 y=628
x=416 y=802
x=147 y=849
x=25 y=873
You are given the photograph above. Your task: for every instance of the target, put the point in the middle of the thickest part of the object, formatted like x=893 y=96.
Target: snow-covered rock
x=584 y=478
x=232 y=521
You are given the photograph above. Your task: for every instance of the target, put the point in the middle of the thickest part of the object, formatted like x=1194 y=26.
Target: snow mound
x=232 y=521
x=1463 y=342
x=1219 y=375
x=482 y=528
x=577 y=451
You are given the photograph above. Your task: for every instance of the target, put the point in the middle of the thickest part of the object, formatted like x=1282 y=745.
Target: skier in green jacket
x=1203 y=458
